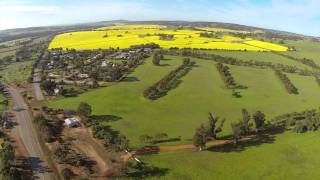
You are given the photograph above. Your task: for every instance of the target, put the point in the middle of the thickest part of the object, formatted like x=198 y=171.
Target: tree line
x=166 y=37
x=300 y=122
x=287 y=83
x=47 y=128
x=10 y=167
x=243 y=127
x=201 y=54
x=227 y=77
x=168 y=82
x=308 y=62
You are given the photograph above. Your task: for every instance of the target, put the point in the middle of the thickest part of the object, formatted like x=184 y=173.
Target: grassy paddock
x=186 y=107
x=17 y=72
x=288 y=156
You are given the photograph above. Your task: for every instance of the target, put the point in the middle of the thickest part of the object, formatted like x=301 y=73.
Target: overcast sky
x=300 y=16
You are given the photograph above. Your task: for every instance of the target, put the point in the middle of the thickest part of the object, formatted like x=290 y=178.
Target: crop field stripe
x=183 y=39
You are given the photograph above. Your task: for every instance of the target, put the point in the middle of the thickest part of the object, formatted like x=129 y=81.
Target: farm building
x=72 y=122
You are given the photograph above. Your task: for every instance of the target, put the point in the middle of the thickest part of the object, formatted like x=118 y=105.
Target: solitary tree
x=200 y=137
x=259 y=119
x=156 y=59
x=186 y=61
x=213 y=130
x=84 y=109
x=245 y=122
x=236 y=130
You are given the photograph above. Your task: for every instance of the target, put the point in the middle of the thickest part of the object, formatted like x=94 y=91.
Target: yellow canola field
x=128 y=35
x=133 y=26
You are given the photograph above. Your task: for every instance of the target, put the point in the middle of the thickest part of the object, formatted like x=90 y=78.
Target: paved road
x=36 y=85
x=25 y=130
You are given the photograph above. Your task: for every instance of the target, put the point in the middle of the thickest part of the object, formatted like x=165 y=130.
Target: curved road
x=25 y=130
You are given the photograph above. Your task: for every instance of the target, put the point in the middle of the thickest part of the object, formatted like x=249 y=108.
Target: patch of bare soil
x=81 y=140
x=209 y=144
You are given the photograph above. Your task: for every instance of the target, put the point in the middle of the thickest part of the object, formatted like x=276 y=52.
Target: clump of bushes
x=111 y=139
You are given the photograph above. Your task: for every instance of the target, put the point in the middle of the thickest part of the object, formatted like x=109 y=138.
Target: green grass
x=186 y=107
x=263 y=56
x=305 y=49
x=17 y=72
x=290 y=156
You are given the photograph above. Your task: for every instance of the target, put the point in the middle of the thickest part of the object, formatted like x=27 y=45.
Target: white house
x=72 y=122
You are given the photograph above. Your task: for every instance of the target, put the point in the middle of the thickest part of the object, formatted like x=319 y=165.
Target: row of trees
x=8 y=166
x=168 y=82
x=148 y=139
x=300 y=122
x=148 y=45
x=210 y=35
x=46 y=130
x=244 y=127
x=198 y=53
x=287 y=83
x=166 y=37
x=111 y=138
x=63 y=154
x=227 y=77
x=308 y=62
x=207 y=131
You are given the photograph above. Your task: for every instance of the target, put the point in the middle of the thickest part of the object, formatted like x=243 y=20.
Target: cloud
x=26 y=7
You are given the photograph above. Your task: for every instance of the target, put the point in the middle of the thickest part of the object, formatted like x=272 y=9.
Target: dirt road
x=25 y=130
x=209 y=144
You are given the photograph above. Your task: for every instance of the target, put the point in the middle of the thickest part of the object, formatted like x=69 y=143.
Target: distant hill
x=11 y=34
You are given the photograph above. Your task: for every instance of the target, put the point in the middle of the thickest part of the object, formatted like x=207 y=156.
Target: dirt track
x=83 y=141
x=209 y=144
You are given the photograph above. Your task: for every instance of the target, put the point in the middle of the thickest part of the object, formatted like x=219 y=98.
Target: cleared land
x=178 y=113
x=17 y=72
x=285 y=156
x=288 y=156
x=126 y=36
